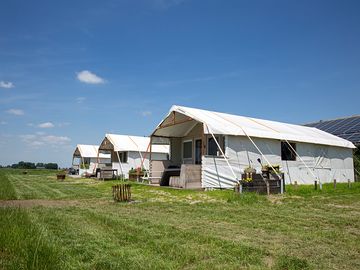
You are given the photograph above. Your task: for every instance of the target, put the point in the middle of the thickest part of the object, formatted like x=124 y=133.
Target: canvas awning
x=134 y=143
x=88 y=151
x=180 y=120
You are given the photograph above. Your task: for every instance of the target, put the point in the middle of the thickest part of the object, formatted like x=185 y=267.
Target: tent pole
x=121 y=168
x=222 y=153
x=141 y=156
x=147 y=150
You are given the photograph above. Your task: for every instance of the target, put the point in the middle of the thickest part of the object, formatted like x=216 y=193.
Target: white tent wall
x=134 y=161
x=327 y=162
x=241 y=153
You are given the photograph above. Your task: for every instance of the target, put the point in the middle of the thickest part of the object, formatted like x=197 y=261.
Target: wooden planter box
x=135 y=176
x=257 y=184
x=60 y=176
x=121 y=193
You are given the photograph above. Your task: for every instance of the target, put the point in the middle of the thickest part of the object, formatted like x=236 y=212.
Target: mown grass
x=179 y=229
x=7 y=191
x=25 y=245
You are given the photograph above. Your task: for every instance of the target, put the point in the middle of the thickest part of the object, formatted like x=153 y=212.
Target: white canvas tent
x=129 y=152
x=221 y=145
x=88 y=158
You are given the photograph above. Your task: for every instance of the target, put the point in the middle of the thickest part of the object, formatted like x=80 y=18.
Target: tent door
x=198 y=144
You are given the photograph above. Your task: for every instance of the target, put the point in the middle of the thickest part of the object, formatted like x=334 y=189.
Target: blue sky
x=71 y=71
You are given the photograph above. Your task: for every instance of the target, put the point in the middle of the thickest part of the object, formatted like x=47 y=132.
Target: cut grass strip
x=7 y=191
x=137 y=243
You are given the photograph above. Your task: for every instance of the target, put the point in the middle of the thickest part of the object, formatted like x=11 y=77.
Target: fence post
x=334 y=183
x=315 y=183
x=349 y=183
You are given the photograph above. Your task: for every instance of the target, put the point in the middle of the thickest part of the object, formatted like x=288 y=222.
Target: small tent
x=131 y=152
x=86 y=158
x=213 y=149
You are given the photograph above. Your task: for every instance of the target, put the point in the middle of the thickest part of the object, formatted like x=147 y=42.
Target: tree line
x=31 y=165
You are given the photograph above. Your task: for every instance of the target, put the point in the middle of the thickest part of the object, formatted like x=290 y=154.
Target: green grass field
x=76 y=225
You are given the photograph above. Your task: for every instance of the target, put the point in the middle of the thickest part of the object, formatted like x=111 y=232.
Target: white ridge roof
x=134 y=143
x=89 y=151
x=228 y=124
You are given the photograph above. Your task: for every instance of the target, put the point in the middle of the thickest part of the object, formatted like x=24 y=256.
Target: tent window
x=123 y=157
x=187 y=149
x=87 y=160
x=212 y=148
x=286 y=152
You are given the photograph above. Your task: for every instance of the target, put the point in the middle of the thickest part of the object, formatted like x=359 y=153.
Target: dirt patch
x=32 y=203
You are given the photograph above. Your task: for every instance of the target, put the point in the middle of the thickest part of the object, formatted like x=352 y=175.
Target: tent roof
x=134 y=143
x=228 y=124
x=89 y=151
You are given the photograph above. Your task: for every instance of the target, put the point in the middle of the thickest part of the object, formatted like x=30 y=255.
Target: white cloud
x=86 y=76
x=17 y=112
x=146 y=113
x=46 y=125
x=51 y=139
x=80 y=100
x=6 y=85
x=40 y=139
x=3 y=122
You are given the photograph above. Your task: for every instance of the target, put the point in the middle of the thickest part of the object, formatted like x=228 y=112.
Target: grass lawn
x=76 y=225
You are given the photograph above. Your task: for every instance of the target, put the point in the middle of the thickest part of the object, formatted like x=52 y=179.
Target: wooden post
x=296 y=184
x=334 y=183
x=267 y=187
x=349 y=183
x=315 y=183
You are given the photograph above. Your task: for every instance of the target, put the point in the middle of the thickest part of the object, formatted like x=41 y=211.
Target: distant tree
x=40 y=165
x=51 y=166
x=23 y=165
